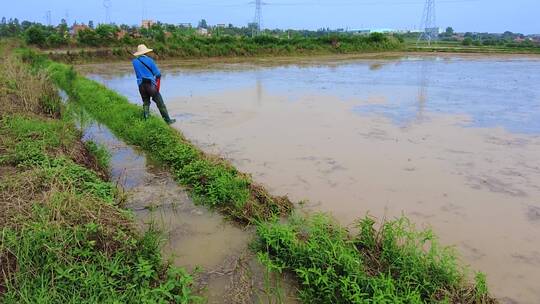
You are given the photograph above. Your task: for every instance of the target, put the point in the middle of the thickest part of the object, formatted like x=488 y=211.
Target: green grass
x=66 y=265
x=102 y=155
x=393 y=264
x=63 y=238
x=35 y=143
x=211 y=181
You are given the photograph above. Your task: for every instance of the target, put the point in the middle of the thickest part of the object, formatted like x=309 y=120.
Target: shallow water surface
x=452 y=142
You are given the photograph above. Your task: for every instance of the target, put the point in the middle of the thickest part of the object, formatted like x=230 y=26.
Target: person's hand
x=158 y=83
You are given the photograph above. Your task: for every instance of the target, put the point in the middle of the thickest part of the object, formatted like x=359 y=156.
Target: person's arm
x=137 y=71
x=155 y=69
x=157 y=74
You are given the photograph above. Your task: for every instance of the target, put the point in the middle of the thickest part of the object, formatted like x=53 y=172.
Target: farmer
x=148 y=79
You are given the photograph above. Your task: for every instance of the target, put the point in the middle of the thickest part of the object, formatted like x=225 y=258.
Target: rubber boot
x=163 y=109
x=146 y=111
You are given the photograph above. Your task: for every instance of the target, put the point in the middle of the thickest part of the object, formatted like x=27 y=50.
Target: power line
x=144 y=13
x=322 y=4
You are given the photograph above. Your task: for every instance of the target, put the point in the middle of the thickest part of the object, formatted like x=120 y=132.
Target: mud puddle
x=197 y=239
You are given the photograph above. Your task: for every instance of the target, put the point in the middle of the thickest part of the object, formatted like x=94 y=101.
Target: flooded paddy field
x=452 y=142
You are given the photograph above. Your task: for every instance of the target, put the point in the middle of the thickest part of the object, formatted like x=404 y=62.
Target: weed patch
x=68 y=265
x=62 y=238
x=393 y=264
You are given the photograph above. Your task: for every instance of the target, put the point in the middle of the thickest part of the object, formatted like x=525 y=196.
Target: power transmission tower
x=66 y=16
x=258 y=18
x=430 y=31
x=48 y=17
x=144 y=10
x=107 y=5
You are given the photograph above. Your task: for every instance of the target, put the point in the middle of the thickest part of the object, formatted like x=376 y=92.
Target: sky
x=463 y=15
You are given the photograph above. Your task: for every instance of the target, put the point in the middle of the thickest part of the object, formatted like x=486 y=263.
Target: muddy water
x=453 y=142
x=216 y=251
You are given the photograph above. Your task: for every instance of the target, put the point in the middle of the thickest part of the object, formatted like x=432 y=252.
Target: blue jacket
x=143 y=72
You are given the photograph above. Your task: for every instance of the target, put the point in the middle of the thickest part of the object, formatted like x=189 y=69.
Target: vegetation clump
x=393 y=264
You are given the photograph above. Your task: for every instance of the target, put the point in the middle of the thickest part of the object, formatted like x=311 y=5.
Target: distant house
x=202 y=31
x=357 y=31
x=147 y=23
x=76 y=28
x=121 y=34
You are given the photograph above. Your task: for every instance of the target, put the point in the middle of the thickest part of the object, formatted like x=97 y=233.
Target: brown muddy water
x=452 y=142
x=200 y=240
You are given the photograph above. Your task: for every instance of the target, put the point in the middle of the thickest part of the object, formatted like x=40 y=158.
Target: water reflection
x=258 y=88
x=423 y=84
x=492 y=92
x=376 y=66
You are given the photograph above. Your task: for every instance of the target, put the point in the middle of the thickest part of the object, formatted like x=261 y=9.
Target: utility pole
x=428 y=26
x=258 y=17
x=107 y=5
x=48 y=18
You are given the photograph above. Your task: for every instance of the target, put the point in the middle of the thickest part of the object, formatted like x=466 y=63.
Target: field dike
x=212 y=181
x=391 y=262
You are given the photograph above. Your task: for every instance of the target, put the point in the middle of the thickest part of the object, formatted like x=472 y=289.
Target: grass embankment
x=229 y=46
x=392 y=264
x=63 y=237
x=456 y=47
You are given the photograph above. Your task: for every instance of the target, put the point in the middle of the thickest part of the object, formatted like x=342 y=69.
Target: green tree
x=25 y=25
x=35 y=35
x=3 y=27
x=203 y=24
x=467 y=41
x=449 y=31
x=88 y=37
x=55 y=40
x=106 y=33
x=63 y=28
x=376 y=37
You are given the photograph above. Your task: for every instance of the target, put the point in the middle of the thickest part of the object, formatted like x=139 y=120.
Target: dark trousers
x=148 y=90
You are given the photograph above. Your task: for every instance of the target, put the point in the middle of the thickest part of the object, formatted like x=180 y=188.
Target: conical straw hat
x=141 y=50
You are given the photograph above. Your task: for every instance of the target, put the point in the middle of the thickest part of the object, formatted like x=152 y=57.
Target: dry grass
x=22 y=91
x=23 y=190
